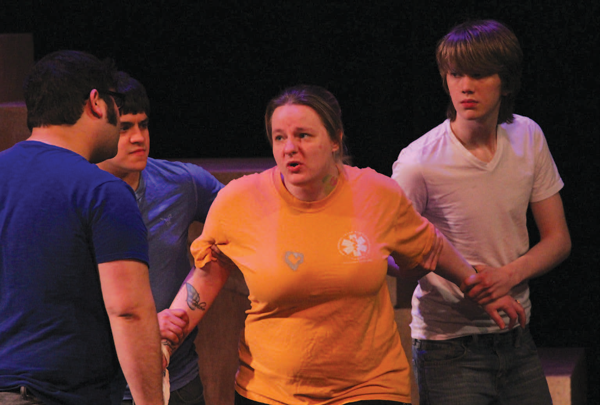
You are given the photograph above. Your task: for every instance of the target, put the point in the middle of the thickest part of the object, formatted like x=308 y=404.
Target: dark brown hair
x=483 y=47
x=322 y=102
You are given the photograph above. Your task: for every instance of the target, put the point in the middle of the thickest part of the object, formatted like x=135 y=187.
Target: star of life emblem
x=354 y=245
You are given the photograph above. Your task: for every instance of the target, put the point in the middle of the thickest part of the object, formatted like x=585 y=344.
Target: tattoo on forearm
x=193 y=298
x=168 y=343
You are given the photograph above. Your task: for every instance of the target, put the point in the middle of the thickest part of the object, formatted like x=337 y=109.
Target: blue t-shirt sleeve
x=117 y=229
x=206 y=187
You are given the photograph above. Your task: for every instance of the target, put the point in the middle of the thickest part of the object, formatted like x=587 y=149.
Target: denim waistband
x=512 y=337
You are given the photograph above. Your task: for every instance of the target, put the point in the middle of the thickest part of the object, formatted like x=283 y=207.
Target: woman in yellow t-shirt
x=312 y=237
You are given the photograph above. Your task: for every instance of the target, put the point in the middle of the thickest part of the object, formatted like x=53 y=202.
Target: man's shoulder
x=431 y=137
x=94 y=184
x=427 y=145
x=162 y=166
x=90 y=176
x=61 y=166
x=523 y=133
x=521 y=124
x=175 y=171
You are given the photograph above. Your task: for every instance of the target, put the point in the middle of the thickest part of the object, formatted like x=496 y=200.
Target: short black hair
x=136 y=98
x=58 y=85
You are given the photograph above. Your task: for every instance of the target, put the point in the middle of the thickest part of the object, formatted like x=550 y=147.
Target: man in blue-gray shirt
x=170 y=195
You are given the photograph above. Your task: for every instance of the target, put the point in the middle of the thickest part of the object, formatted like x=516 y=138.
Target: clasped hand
x=172 y=324
x=488 y=284
x=489 y=288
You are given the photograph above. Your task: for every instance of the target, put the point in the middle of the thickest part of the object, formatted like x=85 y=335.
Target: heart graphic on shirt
x=294 y=259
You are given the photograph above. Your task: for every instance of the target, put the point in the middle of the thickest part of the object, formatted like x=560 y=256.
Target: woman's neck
x=317 y=190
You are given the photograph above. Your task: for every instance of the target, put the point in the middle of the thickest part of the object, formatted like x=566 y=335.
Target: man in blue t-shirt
x=170 y=195
x=74 y=292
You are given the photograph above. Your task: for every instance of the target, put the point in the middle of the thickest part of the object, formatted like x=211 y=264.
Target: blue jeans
x=496 y=368
x=190 y=394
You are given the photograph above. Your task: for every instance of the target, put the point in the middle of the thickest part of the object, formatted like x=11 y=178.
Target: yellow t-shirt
x=321 y=327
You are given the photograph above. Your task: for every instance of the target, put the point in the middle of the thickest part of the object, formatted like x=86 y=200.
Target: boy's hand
x=511 y=307
x=487 y=285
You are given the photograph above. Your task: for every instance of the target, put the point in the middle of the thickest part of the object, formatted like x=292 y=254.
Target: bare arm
x=132 y=314
x=174 y=322
x=442 y=258
x=451 y=265
x=198 y=293
x=554 y=247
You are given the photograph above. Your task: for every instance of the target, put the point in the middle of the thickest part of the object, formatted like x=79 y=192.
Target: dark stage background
x=210 y=69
